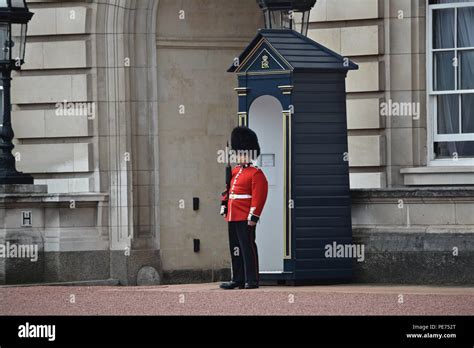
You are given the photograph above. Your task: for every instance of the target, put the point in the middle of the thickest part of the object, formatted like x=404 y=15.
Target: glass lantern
x=14 y=16
x=287 y=14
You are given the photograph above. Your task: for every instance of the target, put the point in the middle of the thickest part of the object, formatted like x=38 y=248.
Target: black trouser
x=243 y=251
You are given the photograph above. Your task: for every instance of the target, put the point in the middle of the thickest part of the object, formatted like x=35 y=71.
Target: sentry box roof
x=287 y=49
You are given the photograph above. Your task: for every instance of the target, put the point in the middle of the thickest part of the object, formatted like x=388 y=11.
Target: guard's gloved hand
x=224 y=203
x=223 y=211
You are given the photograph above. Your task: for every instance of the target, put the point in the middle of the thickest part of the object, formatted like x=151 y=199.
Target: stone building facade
x=152 y=104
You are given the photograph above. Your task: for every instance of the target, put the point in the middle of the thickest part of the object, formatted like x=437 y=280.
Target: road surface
x=208 y=299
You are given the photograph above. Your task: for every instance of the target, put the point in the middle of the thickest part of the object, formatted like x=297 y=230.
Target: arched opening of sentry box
x=265 y=118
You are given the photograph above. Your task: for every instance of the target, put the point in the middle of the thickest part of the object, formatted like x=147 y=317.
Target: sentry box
x=292 y=94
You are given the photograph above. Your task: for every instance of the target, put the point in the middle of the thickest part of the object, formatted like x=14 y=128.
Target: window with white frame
x=450 y=72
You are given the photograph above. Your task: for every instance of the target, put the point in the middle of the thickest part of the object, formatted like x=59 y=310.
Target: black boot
x=251 y=285
x=232 y=285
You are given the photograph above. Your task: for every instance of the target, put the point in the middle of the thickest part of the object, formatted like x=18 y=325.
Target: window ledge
x=444 y=176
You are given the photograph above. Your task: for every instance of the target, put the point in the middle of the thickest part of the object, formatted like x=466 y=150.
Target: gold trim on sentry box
x=286 y=89
x=266 y=72
x=286 y=178
x=246 y=59
x=242 y=91
x=279 y=54
x=243 y=119
x=257 y=46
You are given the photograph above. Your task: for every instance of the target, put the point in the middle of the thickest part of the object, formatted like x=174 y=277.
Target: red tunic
x=247 y=194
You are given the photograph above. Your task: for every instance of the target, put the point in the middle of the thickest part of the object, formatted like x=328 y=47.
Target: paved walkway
x=205 y=299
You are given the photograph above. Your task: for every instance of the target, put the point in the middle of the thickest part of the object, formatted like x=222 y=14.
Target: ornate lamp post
x=14 y=18
x=287 y=14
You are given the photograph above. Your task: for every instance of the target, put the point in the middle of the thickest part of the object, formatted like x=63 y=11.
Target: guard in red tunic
x=242 y=205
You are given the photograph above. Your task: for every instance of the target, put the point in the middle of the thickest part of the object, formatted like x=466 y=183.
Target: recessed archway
x=265 y=118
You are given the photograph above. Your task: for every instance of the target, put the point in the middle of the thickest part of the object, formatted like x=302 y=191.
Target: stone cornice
x=421 y=194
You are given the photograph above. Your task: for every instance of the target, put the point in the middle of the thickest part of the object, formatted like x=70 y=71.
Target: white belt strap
x=234 y=196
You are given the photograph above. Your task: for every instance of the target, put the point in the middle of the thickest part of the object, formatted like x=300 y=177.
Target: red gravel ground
x=208 y=299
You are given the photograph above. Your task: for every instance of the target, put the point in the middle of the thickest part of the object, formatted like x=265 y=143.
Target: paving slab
x=208 y=299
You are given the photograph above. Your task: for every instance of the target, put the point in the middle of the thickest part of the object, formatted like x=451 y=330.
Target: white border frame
x=431 y=111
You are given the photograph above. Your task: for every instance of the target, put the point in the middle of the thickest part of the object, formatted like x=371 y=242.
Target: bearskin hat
x=244 y=138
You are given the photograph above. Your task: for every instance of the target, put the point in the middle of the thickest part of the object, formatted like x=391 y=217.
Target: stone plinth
x=52 y=237
x=415 y=235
